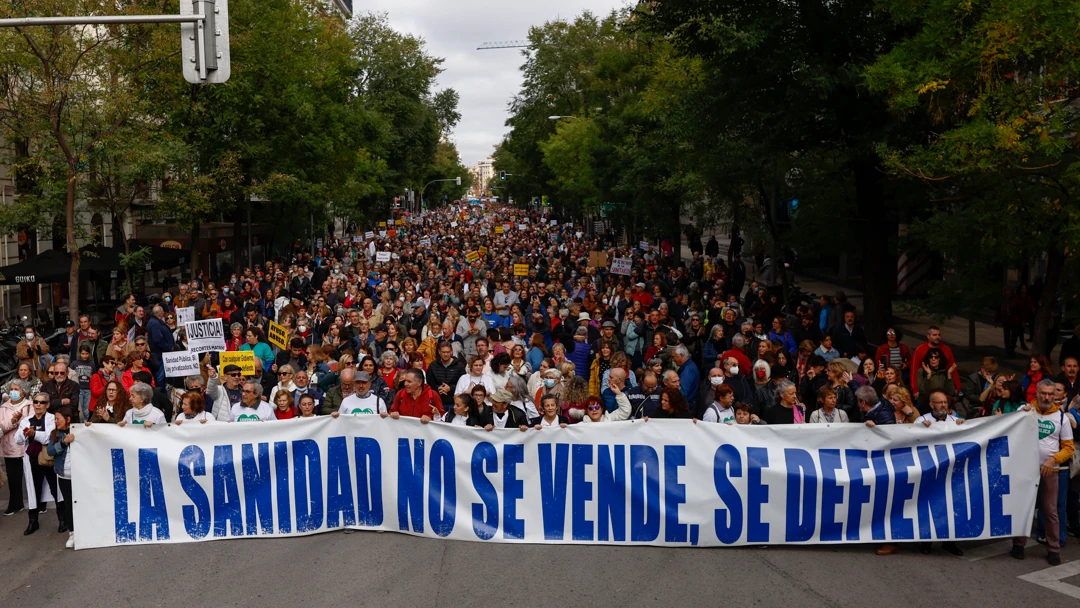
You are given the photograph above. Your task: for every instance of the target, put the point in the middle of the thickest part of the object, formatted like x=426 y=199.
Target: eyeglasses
x=350 y=363
x=284 y=373
x=248 y=391
x=233 y=374
x=57 y=373
x=36 y=402
x=594 y=407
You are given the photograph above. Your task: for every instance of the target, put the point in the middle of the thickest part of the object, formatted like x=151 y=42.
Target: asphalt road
x=387 y=569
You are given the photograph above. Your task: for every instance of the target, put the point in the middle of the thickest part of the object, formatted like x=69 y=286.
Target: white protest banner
x=205 y=336
x=382 y=234
x=643 y=245
x=662 y=482
x=453 y=224
x=382 y=256
x=523 y=227
x=357 y=238
x=369 y=235
x=185 y=315
x=554 y=222
x=621 y=266
x=180 y=364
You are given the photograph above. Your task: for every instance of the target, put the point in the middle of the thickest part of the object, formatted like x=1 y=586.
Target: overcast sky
x=485 y=79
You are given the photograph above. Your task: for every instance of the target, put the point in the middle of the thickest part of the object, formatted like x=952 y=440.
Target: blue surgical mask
x=549 y=382
x=15 y=395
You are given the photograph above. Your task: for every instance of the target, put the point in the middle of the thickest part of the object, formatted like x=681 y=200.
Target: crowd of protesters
x=494 y=318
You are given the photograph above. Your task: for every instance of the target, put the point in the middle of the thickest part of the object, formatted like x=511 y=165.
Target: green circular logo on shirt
x=362 y=411
x=248 y=418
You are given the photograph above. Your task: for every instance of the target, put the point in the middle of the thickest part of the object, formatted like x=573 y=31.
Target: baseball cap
x=230 y=368
x=362 y=377
x=69 y=323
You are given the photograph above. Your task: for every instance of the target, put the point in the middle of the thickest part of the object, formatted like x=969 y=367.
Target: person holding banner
x=33 y=433
x=142 y=410
x=193 y=409
x=284 y=406
x=111 y=405
x=501 y=415
x=59 y=440
x=252 y=407
x=464 y=412
x=416 y=399
x=363 y=401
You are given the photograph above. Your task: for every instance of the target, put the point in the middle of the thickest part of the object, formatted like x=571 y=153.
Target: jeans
x=1062 y=500
x=84 y=404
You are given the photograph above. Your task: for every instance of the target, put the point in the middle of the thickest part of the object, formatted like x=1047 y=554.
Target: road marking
x=1051 y=578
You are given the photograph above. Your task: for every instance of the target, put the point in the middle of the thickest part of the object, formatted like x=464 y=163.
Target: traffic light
x=458 y=182
x=502 y=176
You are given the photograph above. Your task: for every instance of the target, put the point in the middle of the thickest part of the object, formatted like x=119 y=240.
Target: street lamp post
x=434 y=181
x=561 y=117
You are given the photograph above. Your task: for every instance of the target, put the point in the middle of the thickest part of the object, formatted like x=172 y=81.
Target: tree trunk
x=194 y=248
x=878 y=266
x=73 y=249
x=1055 y=264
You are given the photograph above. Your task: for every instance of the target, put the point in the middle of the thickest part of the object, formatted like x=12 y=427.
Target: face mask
x=168 y=299
x=29 y=337
x=226 y=290
x=760 y=373
x=15 y=395
x=301 y=328
x=734 y=370
x=716 y=380
x=549 y=382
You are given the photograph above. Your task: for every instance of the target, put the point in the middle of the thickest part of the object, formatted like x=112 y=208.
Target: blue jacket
x=881 y=414
x=58 y=450
x=580 y=358
x=159 y=335
x=689 y=380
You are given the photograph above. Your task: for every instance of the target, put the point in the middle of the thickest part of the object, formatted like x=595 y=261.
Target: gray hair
x=144 y=391
x=416 y=374
x=867 y=395
x=239 y=326
x=716 y=331
x=391 y=355
x=65 y=359
x=762 y=364
x=682 y=351
x=781 y=387
x=23 y=385
x=41 y=394
x=258 y=387
x=654 y=361
x=191 y=380
x=738 y=341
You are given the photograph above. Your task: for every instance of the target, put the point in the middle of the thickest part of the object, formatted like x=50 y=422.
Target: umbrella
x=52 y=266
x=163 y=258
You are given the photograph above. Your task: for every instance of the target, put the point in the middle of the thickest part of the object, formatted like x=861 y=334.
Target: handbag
x=44 y=459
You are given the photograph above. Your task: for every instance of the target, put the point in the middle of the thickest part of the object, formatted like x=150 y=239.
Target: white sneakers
x=70 y=541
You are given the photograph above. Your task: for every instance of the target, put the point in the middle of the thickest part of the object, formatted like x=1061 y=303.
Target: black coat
x=439 y=374
x=516 y=417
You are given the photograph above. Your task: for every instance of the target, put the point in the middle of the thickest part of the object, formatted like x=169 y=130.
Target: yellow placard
x=244 y=358
x=498 y=230
x=277 y=336
x=472 y=256
x=483 y=250
x=521 y=270
x=382 y=224
x=400 y=222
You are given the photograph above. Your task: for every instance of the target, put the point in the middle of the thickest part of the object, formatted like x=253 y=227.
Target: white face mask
x=29 y=337
x=716 y=380
x=734 y=370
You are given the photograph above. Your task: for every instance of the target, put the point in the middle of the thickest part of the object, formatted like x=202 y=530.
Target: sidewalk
x=989 y=340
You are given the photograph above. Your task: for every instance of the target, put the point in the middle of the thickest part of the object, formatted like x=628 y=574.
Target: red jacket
x=405 y=405
x=882 y=354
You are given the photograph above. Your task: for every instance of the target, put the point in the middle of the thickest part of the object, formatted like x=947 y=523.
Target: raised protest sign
x=205 y=336
x=180 y=364
x=598 y=259
x=369 y=235
x=382 y=224
x=472 y=256
x=391 y=232
x=399 y=222
x=499 y=230
x=521 y=270
x=357 y=238
x=483 y=250
x=276 y=335
x=382 y=256
x=621 y=266
x=662 y=482
x=243 y=358
x=382 y=233
x=643 y=245
x=185 y=315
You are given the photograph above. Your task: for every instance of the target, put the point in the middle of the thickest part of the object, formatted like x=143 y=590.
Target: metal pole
x=99 y=19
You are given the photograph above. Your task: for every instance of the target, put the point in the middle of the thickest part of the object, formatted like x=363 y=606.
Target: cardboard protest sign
x=521 y=270
x=472 y=256
x=277 y=335
x=185 y=315
x=382 y=256
x=243 y=358
x=598 y=259
x=621 y=266
x=180 y=364
x=205 y=336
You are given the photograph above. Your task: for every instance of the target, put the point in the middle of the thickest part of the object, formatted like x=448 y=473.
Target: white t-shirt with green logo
x=242 y=413
x=148 y=412
x=1053 y=429
x=355 y=404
